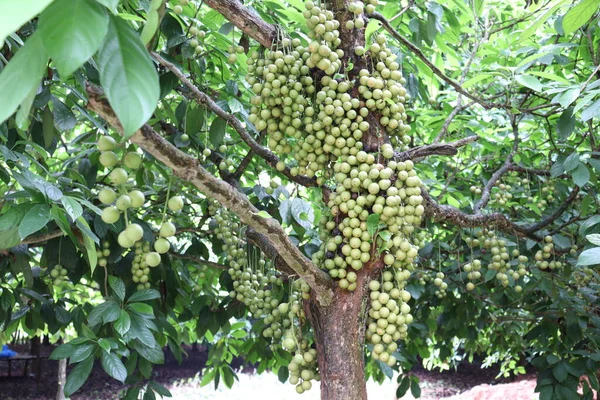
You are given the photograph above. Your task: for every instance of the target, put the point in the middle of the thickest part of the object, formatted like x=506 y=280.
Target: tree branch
x=187 y=168
x=43 y=237
x=261 y=151
x=250 y=23
x=441 y=149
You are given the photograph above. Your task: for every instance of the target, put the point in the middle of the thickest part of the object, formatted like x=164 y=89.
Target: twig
x=417 y=154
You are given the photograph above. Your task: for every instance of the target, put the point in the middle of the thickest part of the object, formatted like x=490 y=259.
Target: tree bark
x=62 y=377
x=340 y=339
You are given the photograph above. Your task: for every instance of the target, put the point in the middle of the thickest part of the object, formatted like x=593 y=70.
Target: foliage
x=509 y=242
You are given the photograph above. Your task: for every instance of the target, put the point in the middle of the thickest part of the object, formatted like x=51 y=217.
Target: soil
x=470 y=382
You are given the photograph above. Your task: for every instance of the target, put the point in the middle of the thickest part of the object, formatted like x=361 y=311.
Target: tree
x=303 y=184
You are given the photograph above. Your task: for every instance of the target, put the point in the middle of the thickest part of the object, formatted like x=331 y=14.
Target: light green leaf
x=113 y=366
x=15 y=13
x=592 y=111
x=372 y=224
x=22 y=118
x=22 y=75
x=35 y=219
x=589 y=257
x=152 y=22
x=72 y=207
x=541 y=19
x=123 y=323
x=594 y=238
x=88 y=242
x=529 y=81
x=579 y=15
x=72 y=31
x=128 y=76
x=143 y=295
x=78 y=376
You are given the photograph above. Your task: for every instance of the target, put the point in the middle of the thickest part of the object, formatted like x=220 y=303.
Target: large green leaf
x=72 y=31
x=217 y=131
x=589 y=257
x=78 y=376
x=15 y=13
x=35 y=219
x=579 y=15
x=113 y=366
x=128 y=76
x=22 y=75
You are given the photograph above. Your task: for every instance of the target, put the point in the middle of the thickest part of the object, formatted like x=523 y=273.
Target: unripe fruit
x=110 y=215
x=162 y=245
x=134 y=232
x=106 y=143
x=175 y=203
x=108 y=159
x=177 y=10
x=167 y=229
x=133 y=160
x=124 y=241
x=107 y=196
x=289 y=344
x=118 y=176
x=137 y=198
x=153 y=259
x=123 y=202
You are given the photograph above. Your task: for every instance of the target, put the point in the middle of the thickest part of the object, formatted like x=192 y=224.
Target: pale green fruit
x=54 y=273
x=108 y=159
x=123 y=202
x=162 y=245
x=134 y=232
x=132 y=160
x=107 y=196
x=289 y=344
x=137 y=198
x=110 y=215
x=175 y=203
x=106 y=143
x=118 y=176
x=185 y=137
x=167 y=229
x=124 y=241
x=177 y=10
x=152 y=259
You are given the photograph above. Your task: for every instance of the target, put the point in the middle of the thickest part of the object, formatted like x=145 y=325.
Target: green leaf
x=579 y=15
x=82 y=352
x=372 y=224
x=22 y=74
x=529 y=81
x=566 y=124
x=48 y=127
x=589 y=257
x=141 y=308
x=403 y=386
x=15 y=13
x=594 y=238
x=72 y=207
x=117 y=286
x=78 y=376
x=72 y=32
x=153 y=354
x=581 y=175
x=123 y=323
x=110 y=4
x=152 y=22
x=415 y=389
x=560 y=372
x=113 y=366
x=571 y=162
x=541 y=19
x=89 y=240
x=160 y=389
x=591 y=111
x=217 y=131
x=128 y=76
x=62 y=351
x=194 y=119
x=143 y=295
x=35 y=219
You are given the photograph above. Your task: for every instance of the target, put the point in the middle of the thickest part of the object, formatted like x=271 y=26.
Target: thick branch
x=203 y=99
x=441 y=149
x=188 y=169
x=43 y=237
x=250 y=23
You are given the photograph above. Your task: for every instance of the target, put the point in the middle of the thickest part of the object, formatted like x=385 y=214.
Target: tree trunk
x=62 y=377
x=340 y=339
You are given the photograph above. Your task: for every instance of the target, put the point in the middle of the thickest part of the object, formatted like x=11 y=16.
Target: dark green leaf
x=62 y=351
x=35 y=219
x=143 y=295
x=78 y=376
x=566 y=124
x=123 y=323
x=117 y=286
x=581 y=175
x=113 y=366
x=217 y=131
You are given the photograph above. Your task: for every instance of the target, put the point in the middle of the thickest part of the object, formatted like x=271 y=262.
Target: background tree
x=290 y=181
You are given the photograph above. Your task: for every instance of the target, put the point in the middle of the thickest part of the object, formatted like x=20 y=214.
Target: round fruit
x=54 y=273
x=185 y=137
x=124 y=241
x=178 y=9
x=123 y=202
x=118 y=176
x=108 y=159
x=106 y=143
x=175 y=203
x=107 y=196
x=134 y=232
x=153 y=259
x=162 y=245
x=137 y=198
x=110 y=215
x=133 y=160
x=167 y=229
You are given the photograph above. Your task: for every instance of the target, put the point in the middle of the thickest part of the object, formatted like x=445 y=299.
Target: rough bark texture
x=340 y=339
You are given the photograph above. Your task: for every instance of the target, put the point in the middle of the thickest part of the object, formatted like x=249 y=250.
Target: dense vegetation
x=332 y=190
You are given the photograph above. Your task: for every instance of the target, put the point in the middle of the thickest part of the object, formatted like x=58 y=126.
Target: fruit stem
x=167 y=200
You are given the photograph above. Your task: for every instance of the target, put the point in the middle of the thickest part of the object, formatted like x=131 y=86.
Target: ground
x=469 y=383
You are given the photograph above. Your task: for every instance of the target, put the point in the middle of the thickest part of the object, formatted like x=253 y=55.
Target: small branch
x=188 y=169
x=531 y=171
x=203 y=99
x=552 y=217
x=457 y=109
x=248 y=22
x=42 y=238
x=426 y=61
x=441 y=149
